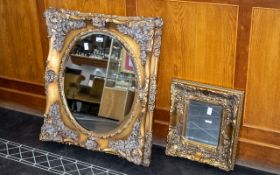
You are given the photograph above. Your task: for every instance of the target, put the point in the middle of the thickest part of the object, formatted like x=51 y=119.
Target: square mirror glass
x=203 y=122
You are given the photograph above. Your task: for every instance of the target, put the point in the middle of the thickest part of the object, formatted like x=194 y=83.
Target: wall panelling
x=198 y=44
x=231 y=43
x=263 y=85
x=262 y=106
x=20 y=49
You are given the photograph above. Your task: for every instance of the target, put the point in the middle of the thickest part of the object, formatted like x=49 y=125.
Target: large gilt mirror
x=101 y=82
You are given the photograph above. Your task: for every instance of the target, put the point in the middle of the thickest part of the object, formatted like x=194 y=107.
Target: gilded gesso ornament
x=91 y=143
x=152 y=92
x=59 y=24
x=143 y=32
x=130 y=148
x=142 y=37
x=50 y=77
x=54 y=128
x=148 y=148
x=222 y=156
x=98 y=21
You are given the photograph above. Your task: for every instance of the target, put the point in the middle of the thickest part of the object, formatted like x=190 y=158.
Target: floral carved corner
x=143 y=32
x=54 y=129
x=59 y=24
x=130 y=148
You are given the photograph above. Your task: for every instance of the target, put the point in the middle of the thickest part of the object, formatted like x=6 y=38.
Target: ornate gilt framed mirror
x=204 y=123
x=101 y=82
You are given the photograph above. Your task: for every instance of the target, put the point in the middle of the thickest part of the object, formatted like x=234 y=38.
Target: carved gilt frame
x=142 y=37
x=222 y=156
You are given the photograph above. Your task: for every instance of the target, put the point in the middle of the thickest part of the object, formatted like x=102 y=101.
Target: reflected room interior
x=99 y=82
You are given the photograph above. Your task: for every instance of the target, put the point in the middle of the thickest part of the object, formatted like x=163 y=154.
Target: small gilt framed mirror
x=204 y=123
x=100 y=82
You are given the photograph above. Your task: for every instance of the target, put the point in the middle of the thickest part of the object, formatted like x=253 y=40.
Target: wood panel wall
x=231 y=43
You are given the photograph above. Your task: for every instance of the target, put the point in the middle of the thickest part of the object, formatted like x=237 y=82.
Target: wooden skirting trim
x=161 y=114
x=258 y=155
x=20 y=85
x=160 y=131
x=161 y=122
x=259 y=143
x=22 y=95
x=260 y=135
x=22 y=101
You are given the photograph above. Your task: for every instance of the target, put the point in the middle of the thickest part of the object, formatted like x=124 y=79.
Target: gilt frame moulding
x=142 y=37
x=231 y=101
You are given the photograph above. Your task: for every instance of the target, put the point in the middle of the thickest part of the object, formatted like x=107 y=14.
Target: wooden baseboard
x=258 y=155
x=260 y=135
x=22 y=86
x=24 y=102
x=22 y=96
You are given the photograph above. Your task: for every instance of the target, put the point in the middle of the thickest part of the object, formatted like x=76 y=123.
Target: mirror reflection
x=203 y=122
x=99 y=82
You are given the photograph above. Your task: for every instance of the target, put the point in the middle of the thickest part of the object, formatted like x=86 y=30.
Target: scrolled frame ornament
x=222 y=156
x=142 y=37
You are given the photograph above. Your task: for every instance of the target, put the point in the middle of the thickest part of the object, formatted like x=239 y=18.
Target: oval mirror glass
x=99 y=82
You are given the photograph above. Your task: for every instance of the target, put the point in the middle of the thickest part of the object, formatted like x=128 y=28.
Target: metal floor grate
x=48 y=161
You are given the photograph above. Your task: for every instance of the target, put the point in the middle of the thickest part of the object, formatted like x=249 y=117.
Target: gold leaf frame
x=142 y=37
x=222 y=156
